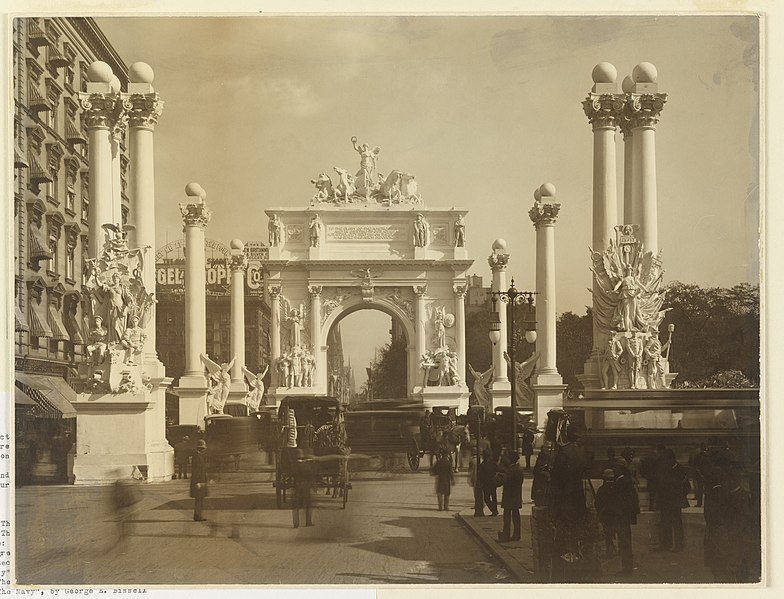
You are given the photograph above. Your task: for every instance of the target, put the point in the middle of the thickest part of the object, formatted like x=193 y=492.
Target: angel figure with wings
x=220 y=378
x=524 y=395
x=256 y=383
x=481 y=380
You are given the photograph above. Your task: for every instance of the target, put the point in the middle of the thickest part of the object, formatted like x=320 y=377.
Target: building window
x=70 y=262
x=54 y=262
x=85 y=208
x=70 y=201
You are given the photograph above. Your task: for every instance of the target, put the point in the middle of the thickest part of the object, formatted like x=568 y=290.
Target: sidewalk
x=650 y=567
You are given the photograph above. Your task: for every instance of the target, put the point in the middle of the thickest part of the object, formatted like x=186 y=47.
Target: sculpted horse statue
x=324 y=190
x=345 y=187
x=400 y=187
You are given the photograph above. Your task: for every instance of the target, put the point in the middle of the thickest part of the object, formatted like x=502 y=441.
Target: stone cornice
x=384 y=264
x=603 y=110
x=544 y=213
x=87 y=29
x=195 y=214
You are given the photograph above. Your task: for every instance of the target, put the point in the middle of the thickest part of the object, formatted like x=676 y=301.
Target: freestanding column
x=274 y=292
x=498 y=261
x=421 y=318
x=145 y=109
x=196 y=216
x=315 y=335
x=543 y=214
x=100 y=107
x=602 y=107
x=644 y=106
x=547 y=382
x=238 y=263
x=460 y=292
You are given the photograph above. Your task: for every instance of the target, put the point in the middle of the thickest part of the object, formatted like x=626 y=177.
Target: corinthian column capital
x=603 y=110
x=100 y=110
x=195 y=214
x=238 y=261
x=544 y=213
x=144 y=110
x=643 y=110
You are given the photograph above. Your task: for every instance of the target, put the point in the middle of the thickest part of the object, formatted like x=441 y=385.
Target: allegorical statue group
x=116 y=307
x=367 y=185
x=440 y=365
x=628 y=312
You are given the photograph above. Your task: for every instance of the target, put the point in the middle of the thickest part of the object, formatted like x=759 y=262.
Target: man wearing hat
x=182 y=455
x=512 y=499
x=617 y=508
x=199 y=479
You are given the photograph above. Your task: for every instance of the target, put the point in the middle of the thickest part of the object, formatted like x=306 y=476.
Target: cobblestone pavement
x=390 y=533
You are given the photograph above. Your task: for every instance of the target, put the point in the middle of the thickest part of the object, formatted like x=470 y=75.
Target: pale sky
x=481 y=109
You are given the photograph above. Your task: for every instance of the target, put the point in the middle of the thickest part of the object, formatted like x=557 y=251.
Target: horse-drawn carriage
x=228 y=439
x=312 y=429
x=439 y=432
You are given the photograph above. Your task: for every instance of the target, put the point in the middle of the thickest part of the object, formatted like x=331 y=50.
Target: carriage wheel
x=413 y=456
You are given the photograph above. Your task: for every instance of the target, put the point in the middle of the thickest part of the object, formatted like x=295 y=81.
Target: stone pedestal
x=455 y=396
x=118 y=434
x=193 y=400
x=548 y=395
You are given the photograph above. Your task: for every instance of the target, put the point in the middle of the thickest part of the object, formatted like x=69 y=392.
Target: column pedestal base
x=193 y=403
x=501 y=393
x=454 y=397
x=547 y=396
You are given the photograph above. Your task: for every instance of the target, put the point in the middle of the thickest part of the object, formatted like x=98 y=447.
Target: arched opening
x=369 y=355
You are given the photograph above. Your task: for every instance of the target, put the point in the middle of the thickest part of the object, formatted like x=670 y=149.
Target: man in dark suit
x=512 y=499
x=199 y=479
x=487 y=481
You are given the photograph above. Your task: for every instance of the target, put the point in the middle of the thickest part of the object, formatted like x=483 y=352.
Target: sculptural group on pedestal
x=440 y=365
x=218 y=384
x=116 y=308
x=255 y=396
x=296 y=367
x=628 y=312
x=367 y=185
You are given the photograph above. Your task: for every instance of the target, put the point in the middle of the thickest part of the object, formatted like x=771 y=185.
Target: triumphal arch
x=368 y=241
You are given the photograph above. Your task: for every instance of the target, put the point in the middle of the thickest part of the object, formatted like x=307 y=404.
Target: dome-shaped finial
x=547 y=190
x=114 y=84
x=140 y=72
x=499 y=244
x=195 y=190
x=628 y=84
x=537 y=195
x=604 y=72
x=236 y=244
x=645 y=72
x=99 y=72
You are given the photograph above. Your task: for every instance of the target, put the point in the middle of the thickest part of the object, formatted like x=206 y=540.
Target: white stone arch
x=355 y=304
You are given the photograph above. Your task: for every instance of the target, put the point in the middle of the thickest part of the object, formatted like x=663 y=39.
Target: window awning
x=52 y=394
x=20 y=322
x=56 y=324
x=22 y=398
x=38 y=326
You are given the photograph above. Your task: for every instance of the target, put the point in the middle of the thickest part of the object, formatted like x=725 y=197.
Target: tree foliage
x=388 y=379
x=574 y=338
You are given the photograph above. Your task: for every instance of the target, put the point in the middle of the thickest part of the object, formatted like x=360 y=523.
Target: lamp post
x=512 y=297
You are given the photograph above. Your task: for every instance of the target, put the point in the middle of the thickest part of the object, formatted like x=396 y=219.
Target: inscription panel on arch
x=366 y=232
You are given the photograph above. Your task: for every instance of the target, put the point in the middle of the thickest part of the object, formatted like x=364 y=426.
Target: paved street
x=390 y=532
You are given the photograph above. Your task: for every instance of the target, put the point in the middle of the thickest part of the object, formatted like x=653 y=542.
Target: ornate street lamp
x=511 y=298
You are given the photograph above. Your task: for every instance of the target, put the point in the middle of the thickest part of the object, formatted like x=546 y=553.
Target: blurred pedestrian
x=540 y=486
x=488 y=481
x=182 y=456
x=617 y=507
x=528 y=446
x=512 y=499
x=304 y=472
x=442 y=470
x=673 y=489
x=731 y=531
x=199 y=479
x=699 y=462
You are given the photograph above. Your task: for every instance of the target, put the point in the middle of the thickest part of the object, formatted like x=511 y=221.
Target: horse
x=346 y=187
x=449 y=439
x=323 y=184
